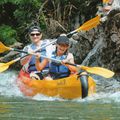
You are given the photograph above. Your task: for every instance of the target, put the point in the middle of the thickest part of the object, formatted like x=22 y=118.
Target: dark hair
x=63 y=39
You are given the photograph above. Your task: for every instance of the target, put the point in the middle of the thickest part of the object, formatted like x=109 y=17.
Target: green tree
x=8 y=35
x=20 y=14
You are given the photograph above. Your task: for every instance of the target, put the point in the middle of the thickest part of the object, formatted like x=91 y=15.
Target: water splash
x=40 y=97
x=8 y=85
x=108 y=97
x=8 y=88
x=116 y=4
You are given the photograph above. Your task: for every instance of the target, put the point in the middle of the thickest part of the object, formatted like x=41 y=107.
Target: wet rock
x=101 y=46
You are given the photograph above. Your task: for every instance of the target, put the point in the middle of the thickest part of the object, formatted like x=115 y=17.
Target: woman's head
x=62 y=45
x=35 y=33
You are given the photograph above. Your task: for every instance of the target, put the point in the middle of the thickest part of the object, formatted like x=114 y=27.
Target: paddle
x=94 y=70
x=5 y=66
x=106 y=1
x=88 y=25
x=85 y=27
x=4 y=48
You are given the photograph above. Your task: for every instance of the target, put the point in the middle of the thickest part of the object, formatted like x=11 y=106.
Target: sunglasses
x=33 y=34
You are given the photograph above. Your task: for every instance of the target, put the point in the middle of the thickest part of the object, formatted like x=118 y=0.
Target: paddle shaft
x=37 y=50
x=58 y=61
x=94 y=70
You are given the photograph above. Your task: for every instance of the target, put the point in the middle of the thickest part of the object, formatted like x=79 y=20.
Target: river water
x=15 y=106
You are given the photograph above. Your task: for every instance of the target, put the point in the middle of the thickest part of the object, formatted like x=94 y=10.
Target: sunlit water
x=15 y=106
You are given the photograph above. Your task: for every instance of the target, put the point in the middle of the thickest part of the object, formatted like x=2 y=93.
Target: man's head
x=63 y=40
x=35 y=34
x=62 y=45
x=35 y=29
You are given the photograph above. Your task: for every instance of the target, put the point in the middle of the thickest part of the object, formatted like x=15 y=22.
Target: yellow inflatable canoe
x=68 y=88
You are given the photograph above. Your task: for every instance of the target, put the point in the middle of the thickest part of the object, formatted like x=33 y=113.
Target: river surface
x=15 y=106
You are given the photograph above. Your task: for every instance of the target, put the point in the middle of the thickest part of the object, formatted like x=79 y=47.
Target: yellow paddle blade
x=90 y=24
x=3 y=67
x=106 y=1
x=99 y=71
x=3 y=48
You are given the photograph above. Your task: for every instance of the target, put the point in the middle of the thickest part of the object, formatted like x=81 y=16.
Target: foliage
x=7 y=35
x=20 y=14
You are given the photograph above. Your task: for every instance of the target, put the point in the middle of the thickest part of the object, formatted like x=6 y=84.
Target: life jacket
x=57 y=70
x=31 y=67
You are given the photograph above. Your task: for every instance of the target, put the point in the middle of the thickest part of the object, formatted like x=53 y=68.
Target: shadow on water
x=15 y=106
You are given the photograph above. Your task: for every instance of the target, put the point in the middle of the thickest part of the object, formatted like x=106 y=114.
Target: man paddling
x=60 y=70
x=35 y=35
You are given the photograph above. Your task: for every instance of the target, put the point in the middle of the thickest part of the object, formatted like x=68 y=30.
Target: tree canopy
x=17 y=15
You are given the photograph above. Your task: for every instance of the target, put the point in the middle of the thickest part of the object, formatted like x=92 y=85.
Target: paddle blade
x=3 y=48
x=106 y=1
x=99 y=71
x=90 y=24
x=3 y=67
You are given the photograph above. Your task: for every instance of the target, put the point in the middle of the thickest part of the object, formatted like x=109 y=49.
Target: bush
x=8 y=35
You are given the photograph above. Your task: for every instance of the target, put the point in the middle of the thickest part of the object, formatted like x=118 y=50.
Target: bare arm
x=70 y=59
x=40 y=65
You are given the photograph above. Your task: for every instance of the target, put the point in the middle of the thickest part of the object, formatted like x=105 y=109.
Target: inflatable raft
x=68 y=88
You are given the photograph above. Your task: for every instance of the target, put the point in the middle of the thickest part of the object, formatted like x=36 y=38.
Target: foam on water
x=8 y=85
x=102 y=97
x=8 y=88
x=40 y=97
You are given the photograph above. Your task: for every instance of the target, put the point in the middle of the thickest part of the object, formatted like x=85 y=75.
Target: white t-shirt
x=32 y=48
